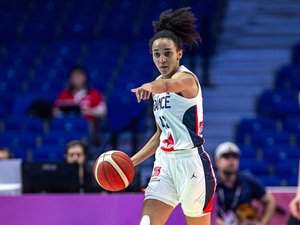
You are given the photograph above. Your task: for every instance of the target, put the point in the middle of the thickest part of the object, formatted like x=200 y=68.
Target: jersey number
x=163 y=122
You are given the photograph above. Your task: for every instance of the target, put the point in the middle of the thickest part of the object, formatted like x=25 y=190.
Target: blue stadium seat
x=249 y=126
x=257 y=167
x=10 y=70
x=45 y=87
x=270 y=138
x=258 y=124
x=52 y=74
x=43 y=30
x=292 y=181
x=292 y=124
x=288 y=77
x=10 y=86
x=28 y=49
x=56 y=61
x=287 y=169
x=120 y=22
x=248 y=152
x=278 y=103
x=75 y=124
x=81 y=30
x=24 y=124
x=296 y=54
x=6 y=102
x=298 y=138
x=18 y=139
x=122 y=109
x=22 y=103
x=3 y=111
x=19 y=152
x=60 y=138
x=270 y=180
x=49 y=153
x=99 y=78
x=278 y=153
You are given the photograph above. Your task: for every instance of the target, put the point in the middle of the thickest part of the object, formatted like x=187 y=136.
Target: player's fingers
x=146 y=95
x=139 y=94
x=134 y=90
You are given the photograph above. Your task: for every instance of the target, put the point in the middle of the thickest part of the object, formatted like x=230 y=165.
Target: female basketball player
x=182 y=170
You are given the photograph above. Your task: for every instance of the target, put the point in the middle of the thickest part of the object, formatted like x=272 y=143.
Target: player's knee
x=145 y=220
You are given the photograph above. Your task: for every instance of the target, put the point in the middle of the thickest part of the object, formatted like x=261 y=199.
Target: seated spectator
x=76 y=152
x=78 y=97
x=5 y=153
x=235 y=188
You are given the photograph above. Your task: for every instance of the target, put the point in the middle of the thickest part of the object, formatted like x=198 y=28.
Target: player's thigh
x=157 y=211
x=203 y=220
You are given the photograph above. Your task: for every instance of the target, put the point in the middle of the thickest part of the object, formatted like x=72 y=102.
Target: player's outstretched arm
x=180 y=82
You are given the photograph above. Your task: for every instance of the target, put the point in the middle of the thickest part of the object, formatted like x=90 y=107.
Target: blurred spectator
x=235 y=189
x=79 y=98
x=5 y=153
x=295 y=205
x=76 y=152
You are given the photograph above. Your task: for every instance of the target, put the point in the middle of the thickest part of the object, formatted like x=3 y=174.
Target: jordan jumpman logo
x=193 y=176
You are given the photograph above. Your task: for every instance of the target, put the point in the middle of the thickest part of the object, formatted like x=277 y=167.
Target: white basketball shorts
x=184 y=176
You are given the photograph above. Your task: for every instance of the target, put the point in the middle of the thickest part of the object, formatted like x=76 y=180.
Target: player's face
x=166 y=56
x=75 y=155
x=228 y=163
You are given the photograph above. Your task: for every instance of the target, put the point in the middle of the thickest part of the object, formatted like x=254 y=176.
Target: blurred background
x=248 y=66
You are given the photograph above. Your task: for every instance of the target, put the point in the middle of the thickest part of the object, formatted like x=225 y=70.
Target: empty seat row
x=278 y=103
x=270 y=143
x=287 y=76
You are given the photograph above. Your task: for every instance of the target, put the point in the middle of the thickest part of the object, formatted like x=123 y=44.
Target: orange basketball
x=114 y=170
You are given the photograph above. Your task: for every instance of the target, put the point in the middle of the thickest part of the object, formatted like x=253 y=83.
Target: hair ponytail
x=179 y=26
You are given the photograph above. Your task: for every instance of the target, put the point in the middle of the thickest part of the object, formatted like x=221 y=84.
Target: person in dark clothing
x=235 y=188
x=76 y=152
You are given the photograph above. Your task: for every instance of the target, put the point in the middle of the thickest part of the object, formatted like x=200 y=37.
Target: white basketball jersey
x=180 y=118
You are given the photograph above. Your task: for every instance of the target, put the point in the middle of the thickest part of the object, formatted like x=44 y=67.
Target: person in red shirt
x=80 y=98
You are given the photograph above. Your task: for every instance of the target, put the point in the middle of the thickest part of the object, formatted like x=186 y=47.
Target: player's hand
x=295 y=207
x=143 y=92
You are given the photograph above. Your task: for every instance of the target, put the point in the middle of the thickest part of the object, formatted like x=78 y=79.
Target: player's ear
x=179 y=54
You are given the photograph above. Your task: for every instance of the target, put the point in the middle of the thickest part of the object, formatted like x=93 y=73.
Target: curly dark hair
x=178 y=26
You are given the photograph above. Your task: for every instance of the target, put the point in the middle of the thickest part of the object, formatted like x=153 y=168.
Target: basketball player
x=182 y=170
